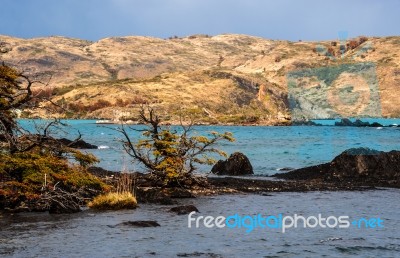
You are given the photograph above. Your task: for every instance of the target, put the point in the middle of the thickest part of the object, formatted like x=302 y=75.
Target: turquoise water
x=268 y=148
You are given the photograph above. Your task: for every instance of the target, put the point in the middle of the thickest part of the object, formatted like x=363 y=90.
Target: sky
x=273 y=19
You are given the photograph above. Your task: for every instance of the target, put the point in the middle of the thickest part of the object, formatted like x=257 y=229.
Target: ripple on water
x=27 y=235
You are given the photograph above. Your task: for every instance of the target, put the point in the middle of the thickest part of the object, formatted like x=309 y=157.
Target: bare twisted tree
x=170 y=155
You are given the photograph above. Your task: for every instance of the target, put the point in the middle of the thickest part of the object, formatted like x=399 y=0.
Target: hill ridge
x=143 y=69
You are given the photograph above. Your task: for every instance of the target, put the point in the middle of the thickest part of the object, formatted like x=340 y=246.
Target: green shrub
x=34 y=171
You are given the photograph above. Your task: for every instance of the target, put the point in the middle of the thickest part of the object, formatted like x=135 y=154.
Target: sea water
x=96 y=234
x=269 y=148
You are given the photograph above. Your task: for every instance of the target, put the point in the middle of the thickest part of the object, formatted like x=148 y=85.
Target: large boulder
x=236 y=165
x=358 y=165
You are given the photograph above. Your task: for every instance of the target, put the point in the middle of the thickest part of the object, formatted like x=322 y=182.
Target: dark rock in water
x=305 y=122
x=199 y=254
x=376 y=124
x=140 y=223
x=185 y=209
x=357 y=123
x=347 y=122
x=236 y=165
x=80 y=144
x=359 y=166
x=344 y=122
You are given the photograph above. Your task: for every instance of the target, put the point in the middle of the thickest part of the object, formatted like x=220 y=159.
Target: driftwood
x=60 y=201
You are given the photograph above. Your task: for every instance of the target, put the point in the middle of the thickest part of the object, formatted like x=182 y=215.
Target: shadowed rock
x=80 y=144
x=305 y=122
x=376 y=124
x=236 y=165
x=359 y=166
x=199 y=254
x=140 y=223
x=357 y=123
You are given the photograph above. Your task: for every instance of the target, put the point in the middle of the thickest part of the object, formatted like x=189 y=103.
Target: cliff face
x=224 y=78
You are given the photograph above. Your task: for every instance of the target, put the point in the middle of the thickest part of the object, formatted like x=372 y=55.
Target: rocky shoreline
x=359 y=166
x=353 y=170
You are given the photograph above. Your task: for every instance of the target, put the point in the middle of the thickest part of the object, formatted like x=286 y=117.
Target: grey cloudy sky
x=275 y=19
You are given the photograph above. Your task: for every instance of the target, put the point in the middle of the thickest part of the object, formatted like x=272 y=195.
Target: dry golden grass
x=114 y=201
x=213 y=96
x=171 y=74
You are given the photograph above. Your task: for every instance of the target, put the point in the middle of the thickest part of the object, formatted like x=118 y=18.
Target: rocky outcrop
x=360 y=166
x=79 y=144
x=236 y=165
x=305 y=122
x=357 y=123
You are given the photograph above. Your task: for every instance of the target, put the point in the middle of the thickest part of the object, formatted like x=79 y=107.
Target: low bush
x=30 y=173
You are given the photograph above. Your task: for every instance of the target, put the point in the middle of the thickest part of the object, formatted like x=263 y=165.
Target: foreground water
x=91 y=234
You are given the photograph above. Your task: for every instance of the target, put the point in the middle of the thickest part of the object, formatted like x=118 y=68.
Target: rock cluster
x=357 y=123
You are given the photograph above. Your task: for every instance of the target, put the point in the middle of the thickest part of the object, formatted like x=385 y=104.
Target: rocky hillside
x=221 y=79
